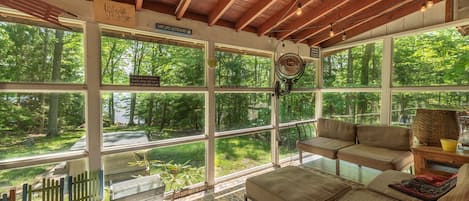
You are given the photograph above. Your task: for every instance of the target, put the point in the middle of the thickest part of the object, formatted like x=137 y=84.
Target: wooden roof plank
x=318 y=11
x=221 y=7
x=358 y=19
x=182 y=8
x=336 y=16
x=252 y=13
x=281 y=16
x=396 y=13
x=138 y=5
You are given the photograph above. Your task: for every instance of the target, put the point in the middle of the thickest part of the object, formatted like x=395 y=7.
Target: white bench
x=144 y=188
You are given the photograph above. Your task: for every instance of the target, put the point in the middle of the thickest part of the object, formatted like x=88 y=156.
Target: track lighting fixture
x=299 y=10
x=331 y=32
x=423 y=8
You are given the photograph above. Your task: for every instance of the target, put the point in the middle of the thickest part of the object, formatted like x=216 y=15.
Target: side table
x=423 y=155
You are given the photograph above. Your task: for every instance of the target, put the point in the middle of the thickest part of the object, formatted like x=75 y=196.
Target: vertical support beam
x=275 y=115
x=449 y=8
x=386 y=102
x=92 y=38
x=210 y=117
x=319 y=84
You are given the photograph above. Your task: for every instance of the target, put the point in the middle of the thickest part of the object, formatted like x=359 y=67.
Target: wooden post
x=13 y=194
x=25 y=192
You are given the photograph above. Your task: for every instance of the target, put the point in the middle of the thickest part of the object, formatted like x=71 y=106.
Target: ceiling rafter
x=358 y=19
x=281 y=16
x=219 y=9
x=406 y=9
x=335 y=16
x=182 y=8
x=138 y=5
x=169 y=10
x=317 y=12
x=252 y=13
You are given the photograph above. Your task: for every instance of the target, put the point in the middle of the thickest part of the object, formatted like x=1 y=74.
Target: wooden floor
x=227 y=191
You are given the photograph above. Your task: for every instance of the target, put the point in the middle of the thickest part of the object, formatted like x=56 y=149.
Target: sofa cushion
x=460 y=192
x=294 y=184
x=336 y=129
x=376 y=157
x=327 y=147
x=381 y=182
x=391 y=137
x=364 y=194
x=463 y=174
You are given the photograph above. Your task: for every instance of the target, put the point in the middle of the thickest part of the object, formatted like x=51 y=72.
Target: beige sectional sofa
x=379 y=147
x=298 y=184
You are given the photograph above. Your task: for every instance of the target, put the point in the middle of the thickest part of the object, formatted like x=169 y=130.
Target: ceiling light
x=429 y=3
x=344 y=36
x=299 y=10
x=331 y=32
x=423 y=8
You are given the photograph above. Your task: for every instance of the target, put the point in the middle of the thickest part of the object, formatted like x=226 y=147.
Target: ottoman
x=294 y=184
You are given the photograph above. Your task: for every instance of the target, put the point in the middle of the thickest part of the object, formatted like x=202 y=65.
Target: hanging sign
x=144 y=80
x=314 y=52
x=173 y=29
x=115 y=13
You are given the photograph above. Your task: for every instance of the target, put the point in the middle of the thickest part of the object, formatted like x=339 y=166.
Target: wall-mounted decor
x=144 y=80
x=173 y=29
x=115 y=13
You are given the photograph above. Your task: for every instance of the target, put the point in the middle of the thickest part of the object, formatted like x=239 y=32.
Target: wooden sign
x=173 y=29
x=314 y=52
x=115 y=13
x=144 y=80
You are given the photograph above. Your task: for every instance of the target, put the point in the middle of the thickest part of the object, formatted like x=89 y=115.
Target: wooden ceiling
x=278 y=18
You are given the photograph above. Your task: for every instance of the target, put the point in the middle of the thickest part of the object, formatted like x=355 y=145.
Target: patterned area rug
x=236 y=193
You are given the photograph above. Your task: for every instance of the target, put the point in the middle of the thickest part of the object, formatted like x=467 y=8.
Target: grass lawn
x=232 y=155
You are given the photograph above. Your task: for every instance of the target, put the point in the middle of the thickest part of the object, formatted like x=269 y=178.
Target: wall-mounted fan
x=288 y=68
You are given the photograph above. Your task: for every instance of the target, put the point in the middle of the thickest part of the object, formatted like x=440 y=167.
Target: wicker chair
x=429 y=126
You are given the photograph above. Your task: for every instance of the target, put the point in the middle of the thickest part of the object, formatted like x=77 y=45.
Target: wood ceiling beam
x=138 y=5
x=252 y=13
x=335 y=16
x=356 y=20
x=281 y=16
x=221 y=7
x=310 y=16
x=406 y=9
x=182 y=8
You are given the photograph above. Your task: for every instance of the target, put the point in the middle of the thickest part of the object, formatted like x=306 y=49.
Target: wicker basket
x=429 y=126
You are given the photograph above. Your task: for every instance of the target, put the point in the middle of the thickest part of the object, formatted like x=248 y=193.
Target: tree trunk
x=362 y=103
x=52 y=124
x=42 y=78
x=138 y=56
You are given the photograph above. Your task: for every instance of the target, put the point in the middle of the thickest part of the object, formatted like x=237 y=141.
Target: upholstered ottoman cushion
x=364 y=195
x=294 y=184
x=327 y=147
x=381 y=182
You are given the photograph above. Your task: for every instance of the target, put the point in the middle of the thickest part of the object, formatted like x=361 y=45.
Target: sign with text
x=115 y=13
x=314 y=52
x=173 y=29
x=144 y=80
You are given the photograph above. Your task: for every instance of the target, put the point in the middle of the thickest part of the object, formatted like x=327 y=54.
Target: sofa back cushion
x=336 y=129
x=392 y=137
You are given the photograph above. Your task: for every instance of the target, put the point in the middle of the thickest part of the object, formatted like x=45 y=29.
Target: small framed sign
x=144 y=80
x=173 y=29
x=314 y=52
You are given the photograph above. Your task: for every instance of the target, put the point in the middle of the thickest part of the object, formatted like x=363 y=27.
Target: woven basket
x=429 y=126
